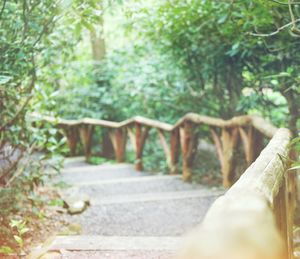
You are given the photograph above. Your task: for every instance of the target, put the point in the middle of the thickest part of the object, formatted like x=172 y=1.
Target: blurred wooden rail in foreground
x=254 y=219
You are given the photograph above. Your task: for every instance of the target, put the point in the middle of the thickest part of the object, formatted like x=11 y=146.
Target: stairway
x=132 y=214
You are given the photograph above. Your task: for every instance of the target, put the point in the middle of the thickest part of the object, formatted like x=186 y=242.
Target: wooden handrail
x=265 y=127
x=254 y=218
x=226 y=135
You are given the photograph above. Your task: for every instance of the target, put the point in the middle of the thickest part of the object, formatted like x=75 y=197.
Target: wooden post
x=256 y=143
x=229 y=142
x=291 y=205
x=246 y=137
x=140 y=139
x=86 y=132
x=218 y=145
x=107 y=146
x=281 y=217
x=174 y=151
x=71 y=133
x=165 y=145
x=189 y=142
x=290 y=201
x=119 y=138
x=225 y=147
x=252 y=142
x=171 y=151
x=284 y=210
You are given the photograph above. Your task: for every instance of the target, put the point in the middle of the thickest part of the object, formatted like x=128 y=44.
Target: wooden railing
x=183 y=135
x=253 y=220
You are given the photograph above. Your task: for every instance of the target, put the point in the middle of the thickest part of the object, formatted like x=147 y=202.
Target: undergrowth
x=21 y=204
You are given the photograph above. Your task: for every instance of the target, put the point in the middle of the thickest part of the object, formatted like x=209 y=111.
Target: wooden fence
x=254 y=219
x=184 y=135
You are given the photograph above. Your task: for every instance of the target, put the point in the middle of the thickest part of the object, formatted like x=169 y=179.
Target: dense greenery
x=213 y=43
x=115 y=59
x=219 y=58
x=210 y=64
x=187 y=56
x=160 y=58
x=30 y=41
x=22 y=45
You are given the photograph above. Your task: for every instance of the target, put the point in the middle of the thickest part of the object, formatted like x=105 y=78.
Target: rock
x=77 y=207
x=86 y=199
x=56 y=209
x=74 y=201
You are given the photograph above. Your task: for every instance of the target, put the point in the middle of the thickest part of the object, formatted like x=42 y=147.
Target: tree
x=207 y=38
x=23 y=38
x=216 y=42
x=279 y=69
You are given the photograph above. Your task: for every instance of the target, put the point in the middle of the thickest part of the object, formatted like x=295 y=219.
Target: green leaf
x=18 y=239
x=15 y=223
x=4 y=79
x=222 y=19
x=6 y=250
x=24 y=230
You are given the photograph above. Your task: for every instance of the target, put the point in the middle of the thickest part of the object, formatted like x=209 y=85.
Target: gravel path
x=162 y=218
x=113 y=255
x=138 y=216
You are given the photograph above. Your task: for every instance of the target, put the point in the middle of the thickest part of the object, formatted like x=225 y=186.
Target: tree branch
x=275 y=32
x=3 y=7
x=25 y=21
x=282 y=3
x=12 y=120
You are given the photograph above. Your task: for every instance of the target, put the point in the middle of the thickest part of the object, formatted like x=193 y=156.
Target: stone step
x=135 y=254
x=99 y=172
x=148 y=185
x=98 y=168
x=128 y=180
x=150 y=197
x=152 y=218
x=76 y=161
x=132 y=214
x=115 y=243
x=102 y=188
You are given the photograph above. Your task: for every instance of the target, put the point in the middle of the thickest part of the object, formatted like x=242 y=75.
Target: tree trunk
x=98 y=54
x=98 y=42
x=233 y=83
x=294 y=109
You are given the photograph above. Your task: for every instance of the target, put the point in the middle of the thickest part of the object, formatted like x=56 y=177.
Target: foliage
x=31 y=42
x=214 y=43
x=188 y=56
x=140 y=82
x=211 y=49
x=295 y=145
x=154 y=158
x=218 y=58
x=94 y=160
x=32 y=54
x=22 y=39
x=21 y=229
x=20 y=203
